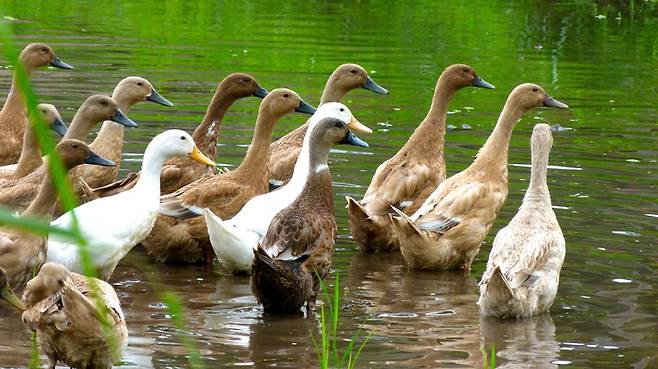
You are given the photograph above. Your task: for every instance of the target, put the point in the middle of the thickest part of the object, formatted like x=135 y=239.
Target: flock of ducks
x=271 y=217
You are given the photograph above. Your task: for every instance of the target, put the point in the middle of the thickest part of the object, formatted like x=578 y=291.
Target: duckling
x=78 y=320
x=235 y=239
x=186 y=240
x=17 y=193
x=523 y=271
x=284 y=151
x=300 y=240
x=13 y=116
x=30 y=158
x=22 y=253
x=406 y=179
x=447 y=230
x=114 y=225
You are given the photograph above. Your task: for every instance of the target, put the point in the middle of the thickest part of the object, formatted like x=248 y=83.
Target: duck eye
x=182 y=138
x=44 y=49
x=353 y=71
x=465 y=70
x=245 y=80
x=43 y=111
x=286 y=95
x=61 y=282
x=140 y=84
x=75 y=146
x=338 y=124
x=104 y=102
x=535 y=89
x=342 y=109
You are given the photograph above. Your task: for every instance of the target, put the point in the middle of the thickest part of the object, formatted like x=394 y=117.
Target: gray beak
x=95 y=159
x=352 y=139
x=261 y=92
x=122 y=119
x=479 y=82
x=59 y=127
x=551 y=102
x=304 y=107
x=374 y=87
x=158 y=99
x=58 y=63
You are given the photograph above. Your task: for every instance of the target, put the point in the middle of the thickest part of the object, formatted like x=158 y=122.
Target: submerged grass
x=68 y=201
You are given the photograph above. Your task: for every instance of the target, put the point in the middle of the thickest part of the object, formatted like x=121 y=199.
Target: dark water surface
x=600 y=59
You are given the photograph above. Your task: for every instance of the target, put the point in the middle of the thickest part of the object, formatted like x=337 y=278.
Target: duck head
x=175 y=142
x=51 y=117
x=74 y=152
x=542 y=138
x=332 y=131
x=241 y=85
x=38 y=55
x=348 y=77
x=99 y=108
x=462 y=75
x=339 y=111
x=529 y=96
x=282 y=101
x=131 y=90
x=7 y=294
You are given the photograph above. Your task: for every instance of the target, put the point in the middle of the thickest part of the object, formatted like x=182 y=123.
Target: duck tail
x=117 y=186
x=371 y=233
x=85 y=192
x=234 y=247
x=404 y=224
x=282 y=268
x=498 y=285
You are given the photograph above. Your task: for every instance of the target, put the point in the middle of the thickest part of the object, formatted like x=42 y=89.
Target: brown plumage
x=300 y=239
x=180 y=241
x=18 y=193
x=284 y=151
x=78 y=320
x=406 y=179
x=447 y=230
x=13 y=117
x=23 y=253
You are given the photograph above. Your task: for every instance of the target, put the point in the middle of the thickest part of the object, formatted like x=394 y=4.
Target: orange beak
x=357 y=126
x=198 y=156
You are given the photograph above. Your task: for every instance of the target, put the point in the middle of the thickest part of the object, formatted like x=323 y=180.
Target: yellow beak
x=198 y=156
x=8 y=295
x=357 y=126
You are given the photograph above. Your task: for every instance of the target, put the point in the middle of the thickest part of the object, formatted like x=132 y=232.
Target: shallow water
x=603 y=175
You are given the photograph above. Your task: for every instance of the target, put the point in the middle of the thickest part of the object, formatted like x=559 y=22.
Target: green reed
x=327 y=349
x=68 y=201
x=490 y=362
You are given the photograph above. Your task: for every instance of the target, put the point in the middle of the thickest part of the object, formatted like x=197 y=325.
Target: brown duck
x=284 y=151
x=406 y=179
x=300 y=240
x=13 y=116
x=186 y=240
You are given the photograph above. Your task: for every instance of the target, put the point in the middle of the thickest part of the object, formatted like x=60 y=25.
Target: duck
x=113 y=225
x=180 y=235
x=446 y=232
x=523 y=270
x=180 y=171
x=284 y=151
x=234 y=240
x=22 y=253
x=13 y=116
x=299 y=242
x=109 y=141
x=30 y=158
x=406 y=179
x=78 y=320
x=18 y=193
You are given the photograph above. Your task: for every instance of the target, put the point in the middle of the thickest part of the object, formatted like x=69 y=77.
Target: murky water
x=601 y=60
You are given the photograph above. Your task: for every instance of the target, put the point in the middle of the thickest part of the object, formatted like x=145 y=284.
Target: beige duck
x=78 y=320
x=30 y=158
x=184 y=241
x=22 y=253
x=447 y=230
x=178 y=172
x=284 y=151
x=300 y=239
x=523 y=271
x=13 y=116
x=109 y=141
x=406 y=179
x=17 y=194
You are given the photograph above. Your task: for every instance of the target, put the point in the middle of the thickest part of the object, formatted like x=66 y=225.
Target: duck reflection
x=418 y=319
x=283 y=341
x=524 y=343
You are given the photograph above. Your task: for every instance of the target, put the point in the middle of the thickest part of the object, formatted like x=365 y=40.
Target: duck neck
x=493 y=155
x=14 y=105
x=152 y=163
x=332 y=91
x=318 y=188
x=429 y=137
x=538 y=188
x=80 y=126
x=30 y=158
x=255 y=162
x=109 y=141
x=207 y=133
x=44 y=204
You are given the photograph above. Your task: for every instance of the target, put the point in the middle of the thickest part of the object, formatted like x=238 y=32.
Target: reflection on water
x=599 y=57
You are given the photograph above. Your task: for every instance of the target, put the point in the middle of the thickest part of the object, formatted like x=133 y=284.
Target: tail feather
x=118 y=186
x=280 y=267
x=498 y=285
x=403 y=223
x=233 y=247
x=371 y=233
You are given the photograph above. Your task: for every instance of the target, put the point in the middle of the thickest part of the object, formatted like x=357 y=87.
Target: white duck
x=113 y=225
x=235 y=239
x=524 y=266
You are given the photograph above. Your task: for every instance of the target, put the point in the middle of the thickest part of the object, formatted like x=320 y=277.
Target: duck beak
x=198 y=156
x=261 y=92
x=122 y=119
x=351 y=139
x=59 y=127
x=158 y=99
x=8 y=295
x=358 y=126
x=553 y=103
x=305 y=107
x=58 y=63
x=374 y=87
x=479 y=82
x=95 y=159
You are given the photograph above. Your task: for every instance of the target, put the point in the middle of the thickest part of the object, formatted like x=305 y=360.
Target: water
x=603 y=175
